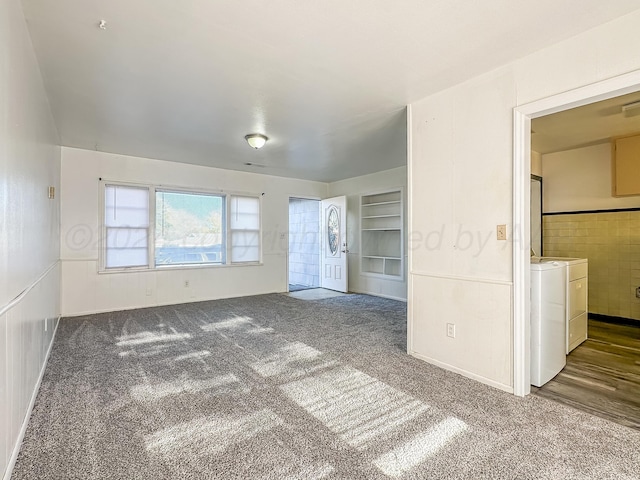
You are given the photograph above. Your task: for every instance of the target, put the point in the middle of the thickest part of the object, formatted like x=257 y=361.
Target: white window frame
x=229 y=231
x=225 y=194
x=102 y=241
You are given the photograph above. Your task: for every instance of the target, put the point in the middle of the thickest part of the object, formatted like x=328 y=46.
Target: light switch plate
x=502 y=232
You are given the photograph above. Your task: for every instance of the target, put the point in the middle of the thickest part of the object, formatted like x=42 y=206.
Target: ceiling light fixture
x=256 y=140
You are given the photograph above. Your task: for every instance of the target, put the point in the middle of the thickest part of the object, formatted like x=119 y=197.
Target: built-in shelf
x=381 y=231
x=381 y=203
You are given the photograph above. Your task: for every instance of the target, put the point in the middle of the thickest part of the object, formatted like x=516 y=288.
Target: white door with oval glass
x=333 y=268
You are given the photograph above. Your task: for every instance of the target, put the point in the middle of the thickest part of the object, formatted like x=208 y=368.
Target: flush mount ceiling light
x=256 y=140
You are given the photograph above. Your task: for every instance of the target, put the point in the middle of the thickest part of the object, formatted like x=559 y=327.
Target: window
x=126 y=221
x=245 y=229
x=148 y=227
x=189 y=228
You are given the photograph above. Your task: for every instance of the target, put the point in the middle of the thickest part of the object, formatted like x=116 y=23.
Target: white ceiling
x=326 y=80
x=588 y=125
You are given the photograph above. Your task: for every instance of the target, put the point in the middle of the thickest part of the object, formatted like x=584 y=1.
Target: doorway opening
x=523 y=116
x=588 y=223
x=304 y=244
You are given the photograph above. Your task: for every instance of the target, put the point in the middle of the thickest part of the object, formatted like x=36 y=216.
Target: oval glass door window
x=333 y=230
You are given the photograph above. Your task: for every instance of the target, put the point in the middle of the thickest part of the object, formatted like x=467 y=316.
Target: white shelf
x=394 y=202
x=381 y=241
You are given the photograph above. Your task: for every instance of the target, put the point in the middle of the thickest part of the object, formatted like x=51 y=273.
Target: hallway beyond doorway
x=304 y=244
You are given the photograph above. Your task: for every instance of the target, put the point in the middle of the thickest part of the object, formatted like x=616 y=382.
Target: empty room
x=298 y=240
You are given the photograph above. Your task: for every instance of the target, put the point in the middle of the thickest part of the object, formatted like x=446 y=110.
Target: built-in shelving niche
x=381 y=232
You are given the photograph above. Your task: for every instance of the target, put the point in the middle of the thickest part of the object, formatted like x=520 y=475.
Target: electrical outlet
x=186 y=284
x=451 y=330
x=149 y=292
x=638 y=292
x=501 y=232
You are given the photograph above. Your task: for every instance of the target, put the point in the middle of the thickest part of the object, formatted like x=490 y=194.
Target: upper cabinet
x=625 y=166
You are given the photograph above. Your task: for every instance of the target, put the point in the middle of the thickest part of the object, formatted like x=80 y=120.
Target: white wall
x=536 y=163
x=29 y=228
x=353 y=188
x=467 y=278
x=580 y=179
x=84 y=290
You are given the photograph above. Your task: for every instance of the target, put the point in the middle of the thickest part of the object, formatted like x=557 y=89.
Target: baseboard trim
x=390 y=297
x=464 y=373
x=25 y=422
x=629 y=322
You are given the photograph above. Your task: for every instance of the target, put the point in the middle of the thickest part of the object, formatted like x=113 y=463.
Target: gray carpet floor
x=273 y=387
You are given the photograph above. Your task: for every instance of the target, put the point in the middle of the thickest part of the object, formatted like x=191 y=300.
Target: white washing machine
x=577 y=298
x=548 y=320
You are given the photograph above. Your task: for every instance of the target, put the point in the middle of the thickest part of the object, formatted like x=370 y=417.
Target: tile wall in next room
x=611 y=242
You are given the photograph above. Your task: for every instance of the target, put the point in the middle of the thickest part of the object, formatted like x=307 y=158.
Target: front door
x=333 y=270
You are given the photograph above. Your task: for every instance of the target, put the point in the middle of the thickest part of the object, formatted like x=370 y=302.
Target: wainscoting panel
x=27 y=327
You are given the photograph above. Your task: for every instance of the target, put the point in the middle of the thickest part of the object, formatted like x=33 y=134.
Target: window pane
x=245 y=213
x=126 y=217
x=245 y=254
x=127 y=257
x=127 y=237
x=245 y=246
x=126 y=206
x=189 y=228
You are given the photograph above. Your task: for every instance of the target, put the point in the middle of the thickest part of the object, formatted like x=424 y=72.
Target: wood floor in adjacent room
x=602 y=375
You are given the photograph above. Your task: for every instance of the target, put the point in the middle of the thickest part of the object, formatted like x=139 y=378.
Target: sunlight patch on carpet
x=151 y=392
x=418 y=449
x=357 y=407
x=211 y=435
x=193 y=356
x=144 y=338
x=293 y=360
x=236 y=323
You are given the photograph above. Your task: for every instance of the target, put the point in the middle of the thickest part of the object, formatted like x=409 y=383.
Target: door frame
x=522 y=116
x=301 y=197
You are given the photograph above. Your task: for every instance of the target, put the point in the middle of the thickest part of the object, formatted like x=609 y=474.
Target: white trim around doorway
x=522 y=117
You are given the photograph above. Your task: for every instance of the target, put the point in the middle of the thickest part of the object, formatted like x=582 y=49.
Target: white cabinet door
x=334 y=244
